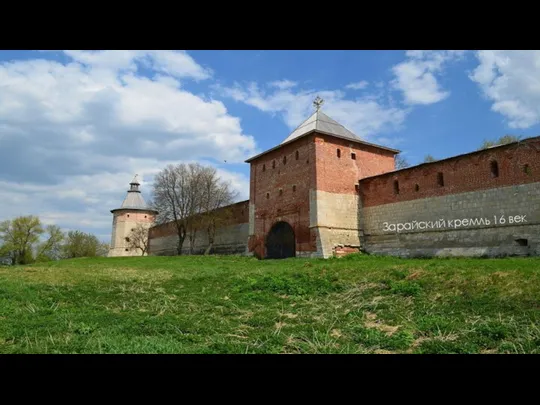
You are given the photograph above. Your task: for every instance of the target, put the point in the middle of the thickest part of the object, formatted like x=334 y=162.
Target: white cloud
x=174 y=63
x=238 y=182
x=511 y=80
x=85 y=201
x=366 y=116
x=357 y=85
x=283 y=84
x=416 y=77
x=73 y=134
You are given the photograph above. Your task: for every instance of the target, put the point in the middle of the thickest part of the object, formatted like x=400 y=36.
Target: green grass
x=230 y=304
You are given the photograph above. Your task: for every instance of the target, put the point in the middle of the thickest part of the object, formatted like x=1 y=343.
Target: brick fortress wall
x=230 y=238
x=485 y=203
x=466 y=205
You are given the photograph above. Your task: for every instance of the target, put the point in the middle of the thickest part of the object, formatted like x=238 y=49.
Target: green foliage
x=81 y=244
x=503 y=140
x=24 y=240
x=51 y=249
x=19 y=236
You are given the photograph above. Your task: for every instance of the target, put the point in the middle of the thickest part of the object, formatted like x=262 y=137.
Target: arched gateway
x=280 y=241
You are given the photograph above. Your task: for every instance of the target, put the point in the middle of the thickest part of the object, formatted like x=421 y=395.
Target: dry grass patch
x=374 y=323
x=336 y=333
x=383 y=351
x=415 y=274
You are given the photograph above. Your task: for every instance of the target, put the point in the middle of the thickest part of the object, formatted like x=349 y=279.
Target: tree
x=171 y=197
x=81 y=244
x=503 y=140
x=103 y=249
x=19 y=237
x=429 y=159
x=186 y=195
x=401 y=162
x=175 y=196
x=197 y=175
x=51 y=249
x=138 y=239
x=216 y=194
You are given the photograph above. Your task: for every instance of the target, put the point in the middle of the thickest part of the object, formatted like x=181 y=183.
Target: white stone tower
x=133 y=212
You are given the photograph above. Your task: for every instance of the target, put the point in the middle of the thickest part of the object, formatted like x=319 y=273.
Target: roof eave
x=395 y=151
x=134 y=209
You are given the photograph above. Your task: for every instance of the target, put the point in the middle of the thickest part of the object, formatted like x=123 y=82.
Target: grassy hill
x=357 y=304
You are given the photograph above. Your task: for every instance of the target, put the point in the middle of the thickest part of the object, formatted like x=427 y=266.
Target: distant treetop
x=401 y=162
x=503 y=140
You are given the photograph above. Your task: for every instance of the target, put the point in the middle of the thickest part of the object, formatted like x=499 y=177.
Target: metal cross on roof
x=317 y=103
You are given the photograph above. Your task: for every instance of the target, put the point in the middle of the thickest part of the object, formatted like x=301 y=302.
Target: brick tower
x=133 y=212
x=304 y=198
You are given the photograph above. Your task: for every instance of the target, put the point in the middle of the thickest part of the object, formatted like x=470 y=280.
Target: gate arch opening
x=280 y=241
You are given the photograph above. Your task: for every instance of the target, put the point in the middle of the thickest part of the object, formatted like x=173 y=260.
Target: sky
x=76 y=126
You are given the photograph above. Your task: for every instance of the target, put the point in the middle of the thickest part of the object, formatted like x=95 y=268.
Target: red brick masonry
x=281 y=180
x=517 y=163
x=239 y=215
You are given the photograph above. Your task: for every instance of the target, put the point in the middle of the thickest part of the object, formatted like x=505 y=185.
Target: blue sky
x=75 y=126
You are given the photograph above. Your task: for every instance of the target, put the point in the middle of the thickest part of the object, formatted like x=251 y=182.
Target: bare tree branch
x=188 y=195
x=138 y=239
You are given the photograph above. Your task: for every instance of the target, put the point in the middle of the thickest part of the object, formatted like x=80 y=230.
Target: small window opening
x=273 y=164
x=264 y=168
x=440 y=179
x=127 y=250
x=145 y=216
x=127 y=239
x=280 y=191
x=128 y=215
x=396 y=187
x=522 y=242
x=526 y=169
x=267 y=196
x=294 y=188
x=307 y=161
x=339 y=153
x=416 y=187
x=353 y=156
x=297 y=155
x=494 y=169
x=284 y=160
